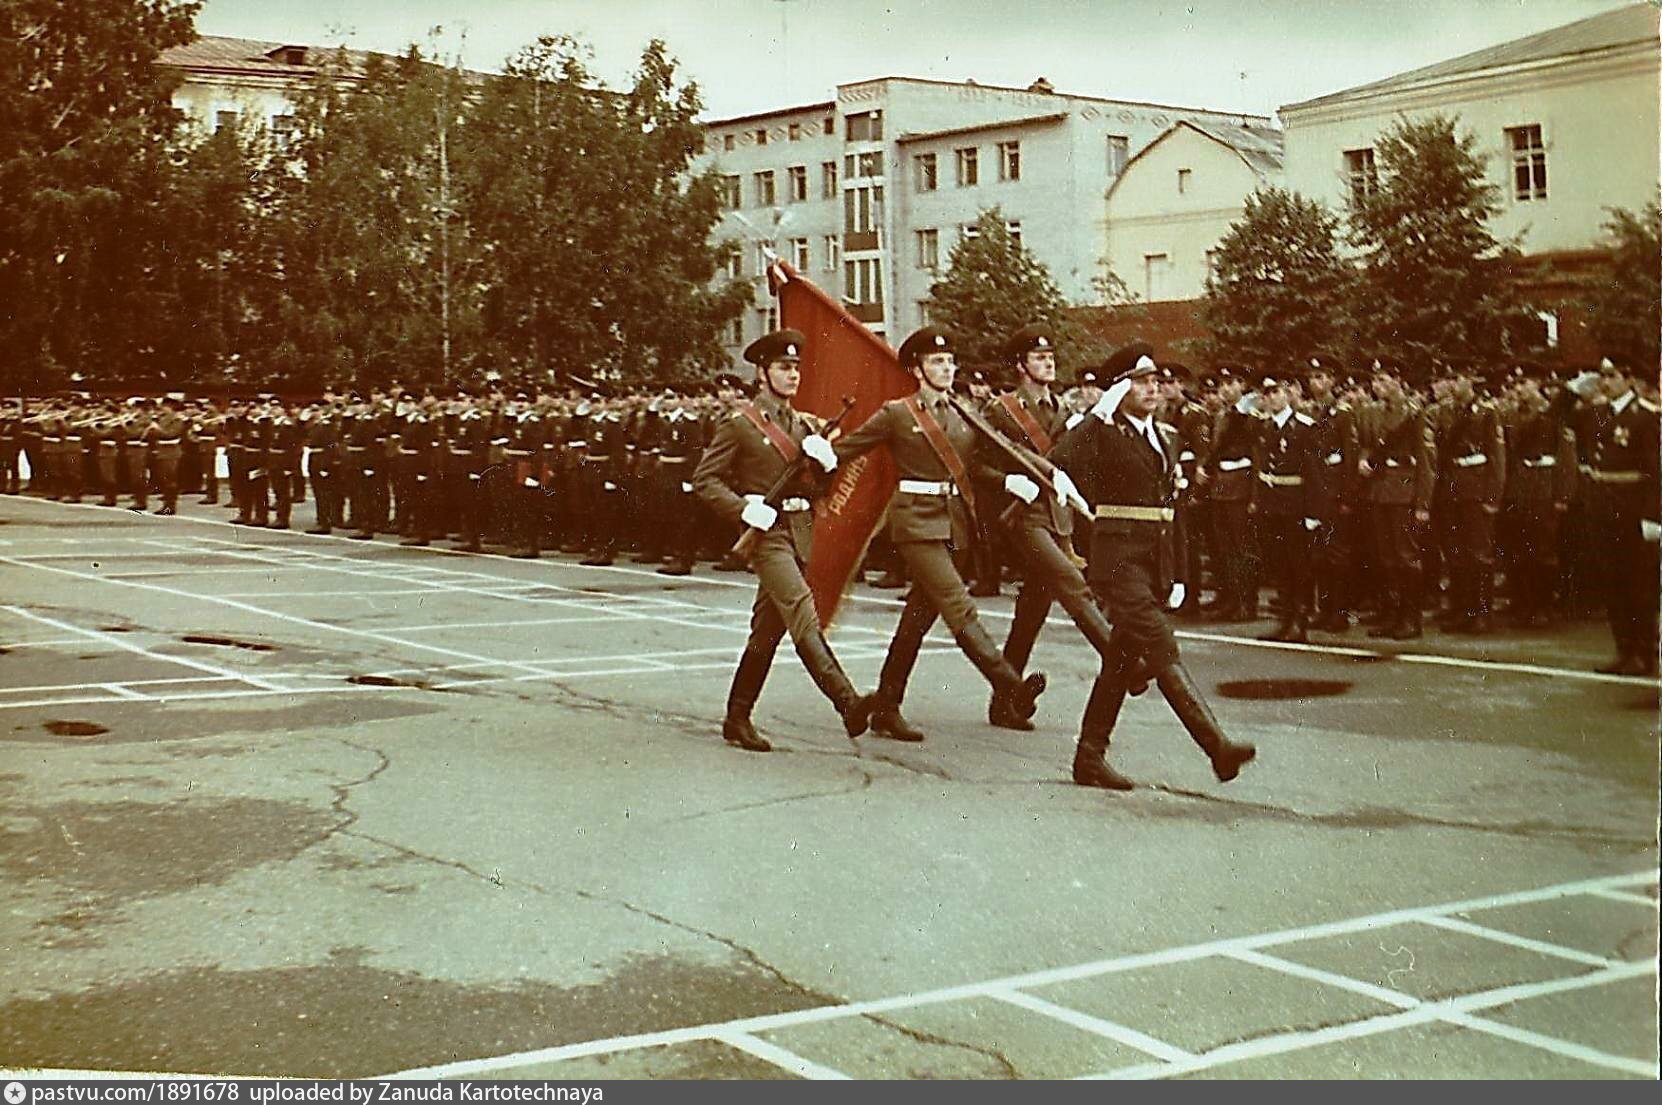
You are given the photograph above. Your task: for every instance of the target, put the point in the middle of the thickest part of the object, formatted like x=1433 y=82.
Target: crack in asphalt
x=1374 y=817
x=925 y=1037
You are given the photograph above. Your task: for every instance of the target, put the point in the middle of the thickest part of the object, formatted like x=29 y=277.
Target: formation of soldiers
x=1377 y=492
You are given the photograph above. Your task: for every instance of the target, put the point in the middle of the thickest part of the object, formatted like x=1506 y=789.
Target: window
x=765 y=195
x=833 y=251
x=925 y=172
x=735 y=332
x=1156 y=275
x=863 y=281
x=929 y=249
x=797 y=179
x=866 y=128
x=732 y=265
x=827 y=180
x=767 y=318
x=223 y=119
x=923 y=312
x=794 y=132
x=1015 y=231
x=1009 y=161
x=761 y=136
x=1361 y=173
x=727 y=188
x=829 y=125
x=863 y=212
x=863 y=165
x=282 y=130
x=728 y=142
x=1183 y=176
x=968 y=232
x=1119 y=152
x=799 y=254
x=1529 y=162
x=969 y=168
x=1211 y=264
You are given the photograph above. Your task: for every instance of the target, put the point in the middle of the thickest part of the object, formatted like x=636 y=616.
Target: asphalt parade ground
x=281 y=804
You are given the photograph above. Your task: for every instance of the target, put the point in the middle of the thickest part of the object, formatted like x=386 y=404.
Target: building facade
x=241 y=81
x=1177 y=198
x=867 y=194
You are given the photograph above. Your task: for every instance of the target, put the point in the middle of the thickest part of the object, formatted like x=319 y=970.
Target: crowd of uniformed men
x=1376 y=490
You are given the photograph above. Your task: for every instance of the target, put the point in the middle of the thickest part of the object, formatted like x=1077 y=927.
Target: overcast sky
x=751 y=55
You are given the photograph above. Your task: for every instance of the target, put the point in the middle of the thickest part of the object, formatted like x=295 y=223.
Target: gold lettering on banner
x=843 y=490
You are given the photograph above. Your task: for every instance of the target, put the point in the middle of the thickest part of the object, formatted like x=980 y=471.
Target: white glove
x=758 y=515
x=1650 y=531
x=1021 y=487
x=1312 y=524
x=820 y=449
x=1175 y=599
x=1066 y=492
x=1110 y=401
x=1584 y=386
x=1248 y=403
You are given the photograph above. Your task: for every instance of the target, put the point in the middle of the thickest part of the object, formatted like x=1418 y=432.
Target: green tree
x=85 y=125
x=1278 y=288
x=599 y=256
x=1435 y=281
x=1624 y=304
x=993 y=287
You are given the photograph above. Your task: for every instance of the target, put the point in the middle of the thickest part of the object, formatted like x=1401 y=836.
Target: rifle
x=1037 y=468
x=746 y=544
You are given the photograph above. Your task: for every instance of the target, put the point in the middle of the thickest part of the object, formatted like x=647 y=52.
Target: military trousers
x=1396 y=548
x=1127 y=591
x=1049 y=576
x=1286 y=546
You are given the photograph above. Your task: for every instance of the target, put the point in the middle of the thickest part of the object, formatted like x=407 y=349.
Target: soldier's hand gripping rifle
x=746 y=544
x=1037 y=468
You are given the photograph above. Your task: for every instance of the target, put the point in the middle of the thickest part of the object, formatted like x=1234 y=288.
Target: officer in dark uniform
x=746 y=456
x=934 y=450
x=137 y=452
x=1471 y=454
x=1618 y=437
x=1332 y=493
x=1540 y=483
x=602 y=493
x=1193 y=425
x=1039 y=527
x=1398 y=472
x=1229 y=479
x=284 y=442
x=1127 y=468
x=323 y=462
x=1281 y=502
x=469 y=453
x=11 y=440
x=681 y=443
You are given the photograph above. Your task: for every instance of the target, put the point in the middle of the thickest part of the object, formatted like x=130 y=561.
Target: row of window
x=929 y=241
x=282 y=126
x=866 y=127
x=1524 y=144
x=797 y=251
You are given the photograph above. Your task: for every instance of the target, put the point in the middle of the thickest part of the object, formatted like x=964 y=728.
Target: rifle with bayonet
x=746 y=544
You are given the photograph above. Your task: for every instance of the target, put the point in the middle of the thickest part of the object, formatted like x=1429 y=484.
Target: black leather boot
x=886 y=720
x=828 y=675
x=752 y=672
x=1090 y=757
x=1022 y=694
x=1191 y=709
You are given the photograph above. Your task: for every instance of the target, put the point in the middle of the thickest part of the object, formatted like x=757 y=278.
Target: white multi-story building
x=228 y=81
x=867 y=194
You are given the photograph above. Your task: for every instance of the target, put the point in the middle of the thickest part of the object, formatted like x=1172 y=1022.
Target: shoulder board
x=1342 y=407
x=1167 y=426
x=1074 y=419
x=1304 y=418
x=1649 y=406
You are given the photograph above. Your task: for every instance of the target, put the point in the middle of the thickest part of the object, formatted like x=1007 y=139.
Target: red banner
x=843 y=358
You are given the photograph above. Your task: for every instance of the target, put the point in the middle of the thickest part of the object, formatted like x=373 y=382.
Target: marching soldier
x=1040 y=525
x=1397 y=470
x=1281 y=502
x=747 y=455
x=932 y=447
x=1127 y=468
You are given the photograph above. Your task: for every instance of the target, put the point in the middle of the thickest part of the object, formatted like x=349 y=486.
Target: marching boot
x=828 y=675
x=886 y=720
x=601 y=557
x=1090 y=757
x=1022 y=694
x=1002 y=713
x=736 y=728
x=676 y=568
x=1191 y=709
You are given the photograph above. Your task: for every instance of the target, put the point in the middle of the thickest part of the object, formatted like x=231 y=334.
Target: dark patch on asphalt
x=74 y=728
x=115 y=852
x=1373 y=658
x=115 y=629
x=176 y=722
x=1650 y=701
x=4 y=651
x=1264 y=689
x=226 y=642
x=346 y=1020
x=377 y=681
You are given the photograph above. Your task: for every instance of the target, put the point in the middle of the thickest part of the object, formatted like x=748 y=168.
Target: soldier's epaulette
x=1648 y=405
x=1074 y=419
x=1342 y=406
x=1304 y=418
x=1167 y=426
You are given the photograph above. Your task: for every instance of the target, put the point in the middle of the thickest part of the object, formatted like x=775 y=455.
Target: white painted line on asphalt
x=198 y=570
x=1574 y=955
x=1421 y=1014
x=81 y=700
x=1316 y=974
x=779 y=1057
x=124 y=682
x=117 y=642
x=1554 y=1044
x=1119 y=1033
x=1445 y=1010
x=126 y=692
x=528 y=623
x=50 y=642
x=1624 y=896
x=354 y=594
